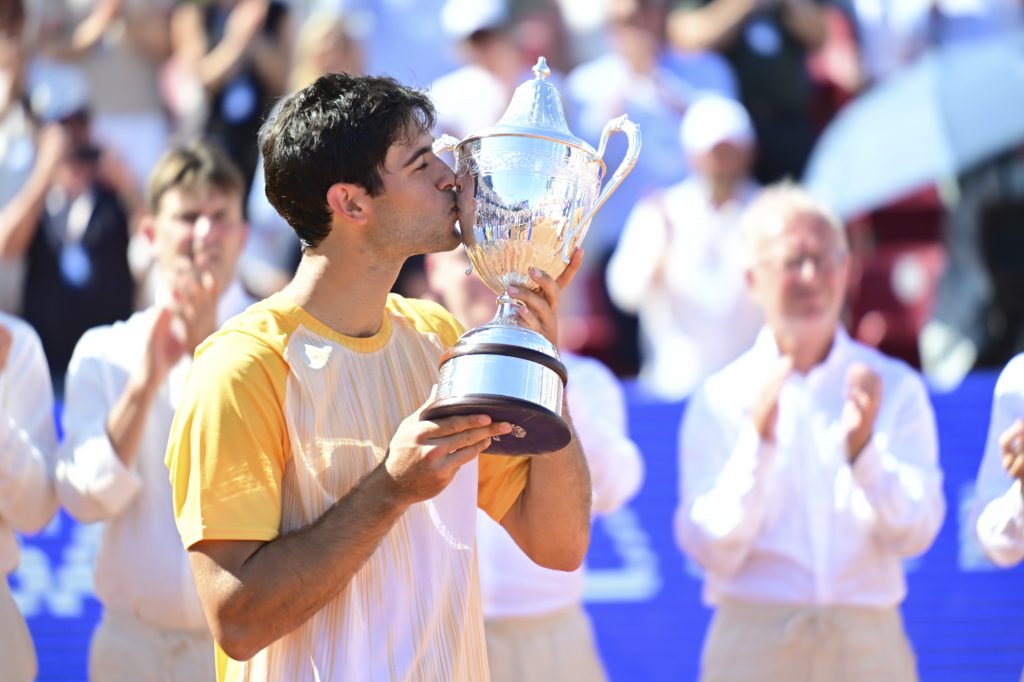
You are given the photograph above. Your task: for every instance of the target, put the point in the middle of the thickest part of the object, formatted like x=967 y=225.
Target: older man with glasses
x=809 y=471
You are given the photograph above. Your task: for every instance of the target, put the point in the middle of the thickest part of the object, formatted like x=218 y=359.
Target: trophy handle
x=616 y=125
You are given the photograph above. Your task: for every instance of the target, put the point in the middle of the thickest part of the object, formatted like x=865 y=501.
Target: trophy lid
x=536 y=111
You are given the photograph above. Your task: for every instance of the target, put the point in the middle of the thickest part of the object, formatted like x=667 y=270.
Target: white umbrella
x=955 y=107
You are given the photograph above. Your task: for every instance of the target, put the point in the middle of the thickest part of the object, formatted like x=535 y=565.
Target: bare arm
x=149 y=31
x=215 y=66
x=271 y=57
x=20 y=216
x=712 y=27
x=558 y=489
x=806 y=20
x=558 y=486
x=253 y=593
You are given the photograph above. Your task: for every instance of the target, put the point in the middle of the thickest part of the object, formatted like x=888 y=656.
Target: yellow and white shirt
x=281 y=417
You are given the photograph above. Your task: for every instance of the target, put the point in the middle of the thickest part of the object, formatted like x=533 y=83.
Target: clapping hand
x=863 y=397
x=766 y=408
x=1011 y=445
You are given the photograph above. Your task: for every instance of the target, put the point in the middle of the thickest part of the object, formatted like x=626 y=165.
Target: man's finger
x=463 y=455
x=1016 y=431
x=446 y=426
x=548 y=287
x=1016 y=468
x=470 y=436
x=575 y=261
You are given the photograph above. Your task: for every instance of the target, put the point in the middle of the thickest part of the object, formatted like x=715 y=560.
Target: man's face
x=201 y=227
x=726 y=162
x=799 y=276
x=416 y=211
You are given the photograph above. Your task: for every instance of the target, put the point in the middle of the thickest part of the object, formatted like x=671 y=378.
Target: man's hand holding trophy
x=527 y=189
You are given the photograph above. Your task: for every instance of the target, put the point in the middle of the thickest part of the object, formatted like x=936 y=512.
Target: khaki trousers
x=127 y=650
x=17 y=654
x=750 y=642
x=554 y=647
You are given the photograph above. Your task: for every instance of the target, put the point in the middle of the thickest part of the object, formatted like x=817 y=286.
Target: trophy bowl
x=526 y=191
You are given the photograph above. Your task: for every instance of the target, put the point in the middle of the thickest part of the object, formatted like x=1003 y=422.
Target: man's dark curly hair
x=338 y=129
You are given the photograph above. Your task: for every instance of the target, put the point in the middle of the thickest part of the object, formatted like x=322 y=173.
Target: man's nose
x=203 y=231
x=446 y=181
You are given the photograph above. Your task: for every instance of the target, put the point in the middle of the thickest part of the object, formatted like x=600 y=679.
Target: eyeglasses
x=793 y=266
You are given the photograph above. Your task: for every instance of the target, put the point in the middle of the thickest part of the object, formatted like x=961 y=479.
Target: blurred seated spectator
x=999 y=498
x=476 y=94
x=240 y=52
x=768 y=44
x=18 y=155
x=325 y=43
x=644 y=77
x=27 y=498
x=978 y=317
x=74 y=228
x=679 y=264
x=120 y=46
x=893 y=35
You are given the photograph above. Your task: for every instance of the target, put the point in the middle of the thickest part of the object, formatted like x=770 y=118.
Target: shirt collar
x=766 y=348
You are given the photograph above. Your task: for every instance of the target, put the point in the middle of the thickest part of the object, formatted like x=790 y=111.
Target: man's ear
x=348 y=201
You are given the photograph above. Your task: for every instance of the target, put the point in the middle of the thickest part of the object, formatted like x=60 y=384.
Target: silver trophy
x=527 y=189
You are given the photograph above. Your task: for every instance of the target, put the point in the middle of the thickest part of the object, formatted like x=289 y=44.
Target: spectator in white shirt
x=27 y=497
x=123 y=384
x=809 y=470
x=534 y=619
x=1000 y=498
x=679 y=262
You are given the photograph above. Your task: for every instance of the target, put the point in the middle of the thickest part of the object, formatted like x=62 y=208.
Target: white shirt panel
x=511 y=584
x=27 y=441
x=793 y=522
x=1000 y=526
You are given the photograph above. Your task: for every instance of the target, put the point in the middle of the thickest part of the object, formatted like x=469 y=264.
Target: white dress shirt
x=793 y=522
x=679 y=265
x=1000 y=526
x=511 y=584
x=27 y=441
x=142 y=570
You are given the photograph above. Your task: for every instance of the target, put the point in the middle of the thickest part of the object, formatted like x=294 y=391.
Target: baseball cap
x=713 y=119
x=57 y=91
x=462 y=18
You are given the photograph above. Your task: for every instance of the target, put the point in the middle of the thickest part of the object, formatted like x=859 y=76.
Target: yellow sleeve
x=229 y=444
x=502 y=479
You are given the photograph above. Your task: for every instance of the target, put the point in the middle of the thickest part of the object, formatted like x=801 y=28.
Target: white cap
x=713 y=119
x=57 y=90
x=462 y=18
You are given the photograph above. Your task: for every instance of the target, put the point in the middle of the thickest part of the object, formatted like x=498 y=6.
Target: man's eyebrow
x=417 y=154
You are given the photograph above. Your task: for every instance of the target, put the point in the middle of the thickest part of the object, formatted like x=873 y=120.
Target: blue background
x=964 y=617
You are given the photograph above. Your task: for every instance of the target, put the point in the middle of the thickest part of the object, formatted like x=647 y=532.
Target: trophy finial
x=541 y=70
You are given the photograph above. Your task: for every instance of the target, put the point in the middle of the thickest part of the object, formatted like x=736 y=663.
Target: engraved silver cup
x=527 y=191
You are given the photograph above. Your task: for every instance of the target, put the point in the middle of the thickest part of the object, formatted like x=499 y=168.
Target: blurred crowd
x=130 y=175
x=729 y=95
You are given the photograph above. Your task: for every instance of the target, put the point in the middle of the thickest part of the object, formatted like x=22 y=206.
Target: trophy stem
x=507 y=311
